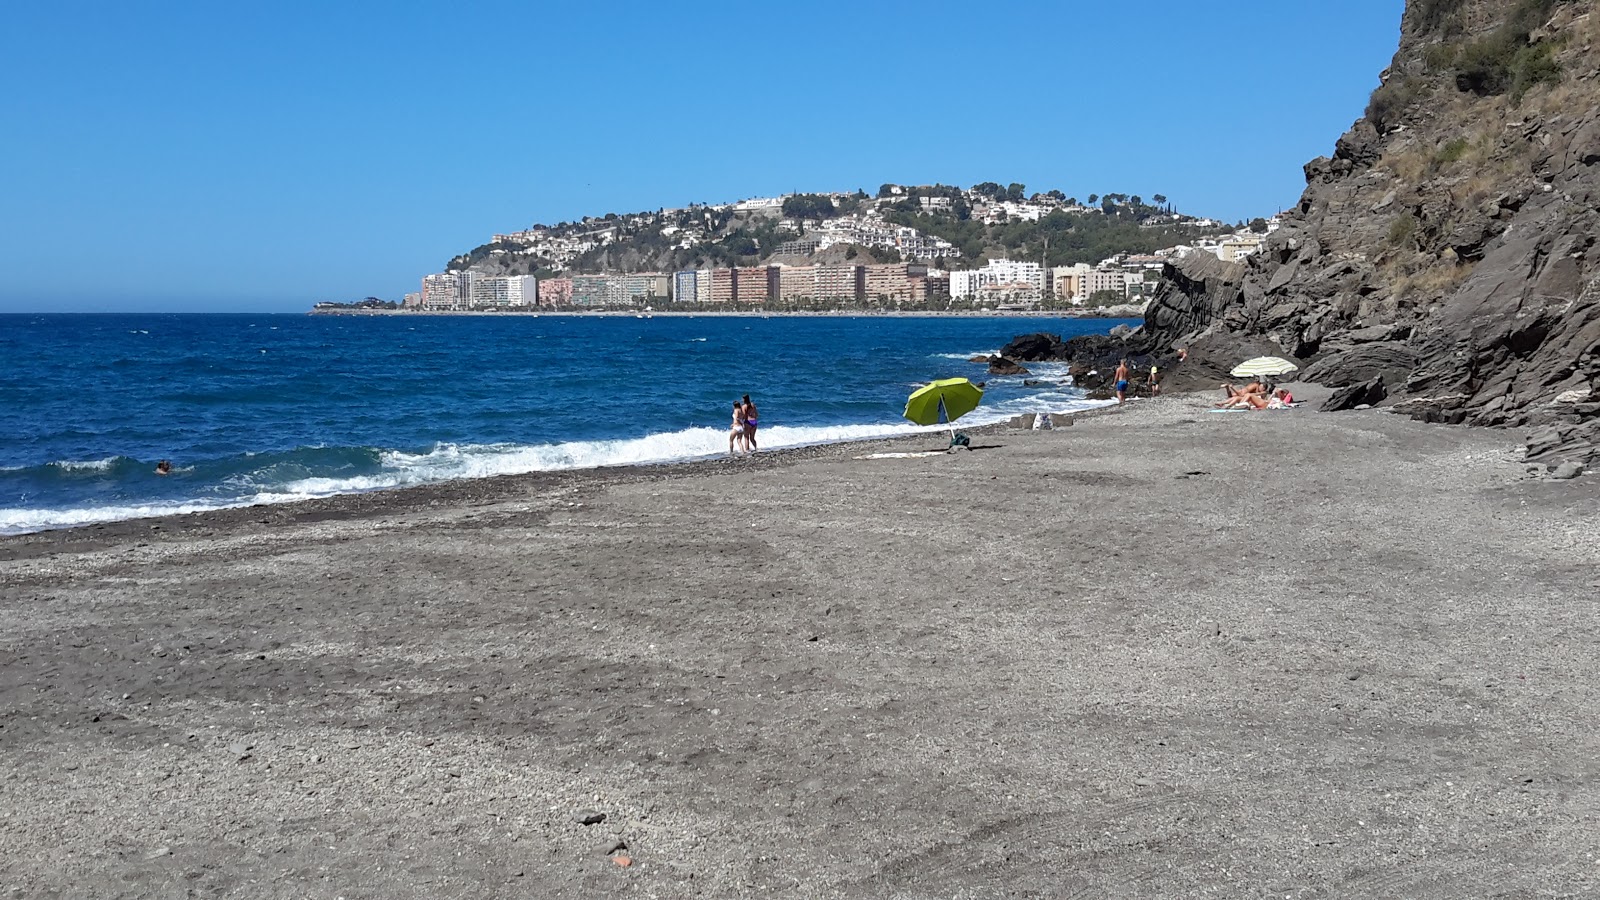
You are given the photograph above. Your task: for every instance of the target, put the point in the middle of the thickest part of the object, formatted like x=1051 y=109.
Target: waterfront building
x=684 y=287
x=892 y=282
x=502 y=291
x=646 y=288
x=555 y=293
x=797 y=282
x=840 y=283
x=722 y=288
x=443 y=290
x=755 y=284
x=590 y=291
x=412 y=301
x=936 y=284
x=1018 y=277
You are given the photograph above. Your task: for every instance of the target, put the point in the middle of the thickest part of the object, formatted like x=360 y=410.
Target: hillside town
x=805 y=268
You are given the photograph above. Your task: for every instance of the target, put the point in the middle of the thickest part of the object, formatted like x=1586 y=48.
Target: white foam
x=20 y=521
x=92 y=465
x=449 y=462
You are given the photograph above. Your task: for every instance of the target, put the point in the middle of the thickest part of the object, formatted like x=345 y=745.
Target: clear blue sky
x=261 y=157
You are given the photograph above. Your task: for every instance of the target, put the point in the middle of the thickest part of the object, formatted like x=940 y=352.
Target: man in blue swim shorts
x=1121 y=378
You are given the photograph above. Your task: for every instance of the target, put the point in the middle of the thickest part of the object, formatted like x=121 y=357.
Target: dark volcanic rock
x=1450 y=245
x=999 y=365
x=1369 y=393
x=1034 y=347
x=1388 y=360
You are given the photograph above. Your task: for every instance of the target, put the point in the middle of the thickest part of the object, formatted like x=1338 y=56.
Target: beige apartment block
x=797 y=282
x=840 y=282
x=892 y=281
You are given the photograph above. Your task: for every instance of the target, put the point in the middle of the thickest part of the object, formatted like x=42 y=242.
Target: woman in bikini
x=736 y=431
x=749 y=424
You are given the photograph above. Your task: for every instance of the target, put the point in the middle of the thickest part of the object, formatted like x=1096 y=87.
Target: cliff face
x=1449 y=243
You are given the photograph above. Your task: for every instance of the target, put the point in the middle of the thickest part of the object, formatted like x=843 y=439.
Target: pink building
x=555 y=292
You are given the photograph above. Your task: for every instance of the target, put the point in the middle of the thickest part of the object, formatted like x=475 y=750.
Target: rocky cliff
x=1448 y=245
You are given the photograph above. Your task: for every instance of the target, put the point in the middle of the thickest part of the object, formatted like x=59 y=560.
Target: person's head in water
x=164 y=467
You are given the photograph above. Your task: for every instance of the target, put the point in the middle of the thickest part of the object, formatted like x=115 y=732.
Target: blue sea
x=274 y=408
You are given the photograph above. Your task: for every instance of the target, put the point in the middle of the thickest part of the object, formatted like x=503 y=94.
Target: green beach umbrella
x=1263 y=367
x=956 y=396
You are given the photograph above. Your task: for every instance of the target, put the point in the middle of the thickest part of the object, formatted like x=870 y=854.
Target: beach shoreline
x=1282 y=653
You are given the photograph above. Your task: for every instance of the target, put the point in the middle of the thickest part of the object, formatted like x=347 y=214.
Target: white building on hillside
x=1022 y=277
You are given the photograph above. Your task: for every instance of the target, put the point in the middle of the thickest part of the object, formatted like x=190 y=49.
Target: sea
x=254 y=409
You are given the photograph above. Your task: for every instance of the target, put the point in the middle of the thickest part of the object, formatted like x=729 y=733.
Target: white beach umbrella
x=1263 y=367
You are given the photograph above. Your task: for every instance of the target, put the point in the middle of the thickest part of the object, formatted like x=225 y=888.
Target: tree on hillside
x=1015 y=192
x=1160 y=200
x=886 y=190
x=1055 y=195
x=809 y=206
x=1258 y=225
x=989 y=189
x=1093 y=199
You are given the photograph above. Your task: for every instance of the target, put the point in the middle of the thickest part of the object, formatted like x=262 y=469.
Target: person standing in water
x=736 y=431
x=749 y=424
x=164 y=467
x=1121 y=378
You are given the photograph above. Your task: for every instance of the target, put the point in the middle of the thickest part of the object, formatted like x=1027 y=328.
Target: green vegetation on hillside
x=1507 y=60
x=1072 y=237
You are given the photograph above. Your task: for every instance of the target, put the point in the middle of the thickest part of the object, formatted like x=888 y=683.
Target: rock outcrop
x=1448 y=246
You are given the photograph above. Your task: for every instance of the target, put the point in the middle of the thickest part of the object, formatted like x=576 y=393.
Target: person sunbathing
x=1254 y=387
x=1279 y=399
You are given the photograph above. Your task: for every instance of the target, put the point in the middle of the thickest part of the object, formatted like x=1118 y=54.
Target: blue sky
x=261 y=157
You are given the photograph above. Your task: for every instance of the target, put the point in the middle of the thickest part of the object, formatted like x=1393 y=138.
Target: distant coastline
x=1110 y=313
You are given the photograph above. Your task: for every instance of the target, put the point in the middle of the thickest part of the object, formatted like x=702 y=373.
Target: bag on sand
x=1041 y=422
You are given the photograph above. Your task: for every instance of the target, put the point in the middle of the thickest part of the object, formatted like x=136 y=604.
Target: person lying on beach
x=1254 y=387
x=1279 y=399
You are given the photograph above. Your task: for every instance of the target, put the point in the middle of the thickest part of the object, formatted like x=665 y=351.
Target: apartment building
x=797 y=282
x=892 y=282
x=1238 y=247
x=684 y=287
x=722 y=287
x=839 y=282
x=443 y=290
x=1019 y=279
x=555 y=292
x=590 y=291
x=755 y=284
x=502 y=291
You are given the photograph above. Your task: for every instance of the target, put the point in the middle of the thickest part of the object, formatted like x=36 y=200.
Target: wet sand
x=1160 y=653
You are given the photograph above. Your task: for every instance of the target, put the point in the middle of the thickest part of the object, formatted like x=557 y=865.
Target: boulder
x=999 y=365
x=1369 y=393
x=1034 y=347
x=1388 y=361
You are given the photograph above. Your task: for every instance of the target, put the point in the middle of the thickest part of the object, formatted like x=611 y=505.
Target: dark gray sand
x=1167 y=653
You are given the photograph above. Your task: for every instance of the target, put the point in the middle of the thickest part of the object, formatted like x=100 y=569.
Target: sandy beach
x=1160 y=653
